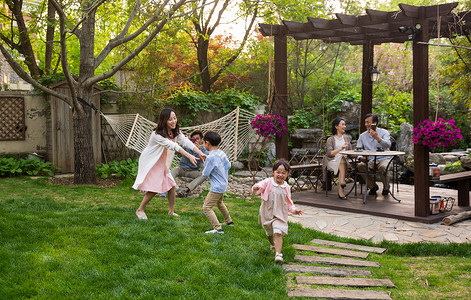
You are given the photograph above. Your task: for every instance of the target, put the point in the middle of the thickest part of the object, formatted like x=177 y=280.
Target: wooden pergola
x=418 y=24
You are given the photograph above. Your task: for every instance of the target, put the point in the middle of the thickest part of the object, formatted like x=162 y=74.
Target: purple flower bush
x=268 y=125
x=441 y=132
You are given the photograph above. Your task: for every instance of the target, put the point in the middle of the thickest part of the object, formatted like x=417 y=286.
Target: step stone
x=324 y=250
x=339 y=294
x=325 y=270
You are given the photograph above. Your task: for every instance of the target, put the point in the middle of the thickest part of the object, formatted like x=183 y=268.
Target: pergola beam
x=384 y=25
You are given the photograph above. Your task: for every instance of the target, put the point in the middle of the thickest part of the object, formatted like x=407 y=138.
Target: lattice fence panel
x=111 y=146
x=12 y=118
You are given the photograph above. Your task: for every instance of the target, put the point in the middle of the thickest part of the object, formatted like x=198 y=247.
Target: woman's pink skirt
x=157 y=180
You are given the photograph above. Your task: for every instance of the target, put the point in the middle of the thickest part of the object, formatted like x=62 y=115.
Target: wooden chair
x=393 y=167
x=306 y=166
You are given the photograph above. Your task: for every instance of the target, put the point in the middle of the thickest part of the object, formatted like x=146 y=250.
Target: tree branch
x=218 y=20
x=26 y=77
x=24 y=46
x=87 y=11
x=150 y=37
x=64 y=61
x=62 y=15
x=120 y=38
x=239 y=49
x=160 y=87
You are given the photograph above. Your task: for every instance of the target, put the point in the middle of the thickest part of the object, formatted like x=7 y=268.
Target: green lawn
x=85 y=243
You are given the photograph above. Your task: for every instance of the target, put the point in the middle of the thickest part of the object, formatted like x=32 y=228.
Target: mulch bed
x=69 y=181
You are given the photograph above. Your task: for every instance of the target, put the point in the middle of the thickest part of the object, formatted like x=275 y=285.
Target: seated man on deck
x=374 y=139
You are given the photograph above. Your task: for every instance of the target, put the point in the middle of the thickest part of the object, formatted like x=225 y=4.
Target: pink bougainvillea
x=268 y=125
x=441 y=132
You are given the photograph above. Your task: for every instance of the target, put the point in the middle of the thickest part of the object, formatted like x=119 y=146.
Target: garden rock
x=238 y=165
x=351 y=114
x=306 y=137
x=436 y=158
x=404 y=142
x=271 y=153
x=237 y=185
x=312 y=134
x=451 y=158
x=465 y=162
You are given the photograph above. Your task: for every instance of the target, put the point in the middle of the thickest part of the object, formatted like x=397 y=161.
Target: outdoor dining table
x=355 y=156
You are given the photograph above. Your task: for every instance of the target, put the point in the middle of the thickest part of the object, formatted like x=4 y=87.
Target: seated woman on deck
x=333 y=160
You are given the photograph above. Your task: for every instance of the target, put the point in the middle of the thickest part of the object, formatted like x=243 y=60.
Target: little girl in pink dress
x=153 y=175
x=276 y=202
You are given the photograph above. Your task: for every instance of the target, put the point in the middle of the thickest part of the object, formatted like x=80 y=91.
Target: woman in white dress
x=333 y=160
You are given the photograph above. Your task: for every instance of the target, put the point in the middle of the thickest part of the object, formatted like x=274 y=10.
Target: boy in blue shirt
x=216 y=168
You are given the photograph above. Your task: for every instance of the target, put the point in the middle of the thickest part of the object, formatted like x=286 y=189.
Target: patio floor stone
x=377 y=229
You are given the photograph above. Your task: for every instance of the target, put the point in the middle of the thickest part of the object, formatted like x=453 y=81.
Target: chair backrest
x=321 y=145
x=393 y=144
x=300 y=158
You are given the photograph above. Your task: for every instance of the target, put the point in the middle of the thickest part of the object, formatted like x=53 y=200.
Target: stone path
x=338 y=273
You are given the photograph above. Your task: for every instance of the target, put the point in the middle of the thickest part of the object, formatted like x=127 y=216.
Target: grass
x=84 y=242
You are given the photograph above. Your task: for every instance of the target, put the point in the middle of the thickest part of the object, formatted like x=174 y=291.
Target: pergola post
x=421 y=112
x=281 y=92
x=366 y=84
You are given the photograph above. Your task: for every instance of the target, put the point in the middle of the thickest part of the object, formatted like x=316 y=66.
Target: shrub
x=10 y=167
x=303 y=119
x=121 y=169
x=335 y=105
x=454 y=167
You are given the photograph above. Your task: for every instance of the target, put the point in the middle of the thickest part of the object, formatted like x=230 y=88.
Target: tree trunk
x=84 y=163
x=202 y=55
x=84 y=172
x=25 y=47
x=49 y=37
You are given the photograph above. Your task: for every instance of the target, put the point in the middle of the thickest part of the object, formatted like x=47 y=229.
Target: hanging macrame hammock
x=134 y=130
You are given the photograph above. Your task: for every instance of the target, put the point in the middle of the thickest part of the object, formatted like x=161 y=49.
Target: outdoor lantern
x=374 y=74
x=416 y=29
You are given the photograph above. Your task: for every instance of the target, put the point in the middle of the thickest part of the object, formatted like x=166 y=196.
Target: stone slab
x=432 y=234
x=336 y=261
x=321 y=224
x=335 y=281
x=344 y=229
x=333 y=251
x=390 y=237
x=339 y=294
x=349 y=246
x=325 y=270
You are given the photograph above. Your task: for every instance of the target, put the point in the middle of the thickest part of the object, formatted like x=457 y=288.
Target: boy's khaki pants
x=211 y=200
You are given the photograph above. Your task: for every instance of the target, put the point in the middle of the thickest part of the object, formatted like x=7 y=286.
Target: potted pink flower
x=439 y=133
x=265 y=126
x=269 y=125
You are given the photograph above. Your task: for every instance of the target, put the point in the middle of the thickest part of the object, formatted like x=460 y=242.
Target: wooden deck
x=383 y=206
